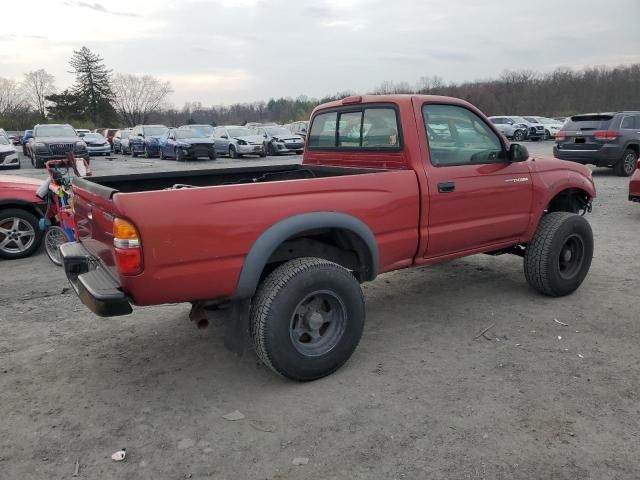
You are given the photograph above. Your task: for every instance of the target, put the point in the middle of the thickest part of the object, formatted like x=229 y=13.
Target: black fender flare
x=274 y=236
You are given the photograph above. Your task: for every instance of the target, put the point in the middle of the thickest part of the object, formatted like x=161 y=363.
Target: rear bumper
x=607 y=155
x=93 y=285
x=634 y=187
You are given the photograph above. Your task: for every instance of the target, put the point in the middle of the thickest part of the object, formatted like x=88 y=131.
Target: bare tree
x=38 y=85
x=11 y=97
x=136 y=97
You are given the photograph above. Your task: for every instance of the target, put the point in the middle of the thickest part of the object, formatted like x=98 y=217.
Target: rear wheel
x=53 y=238
x=307 y=318
x=558 y=257
x=20 y=234
x=627 y=164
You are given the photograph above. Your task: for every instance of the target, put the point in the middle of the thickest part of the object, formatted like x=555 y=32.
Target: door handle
x=446 y=187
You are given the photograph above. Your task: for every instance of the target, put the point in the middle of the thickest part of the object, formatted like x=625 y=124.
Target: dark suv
x=55 y=141
x=601 y=139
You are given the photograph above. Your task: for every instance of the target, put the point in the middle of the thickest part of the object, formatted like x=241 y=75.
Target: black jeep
x=54 y=141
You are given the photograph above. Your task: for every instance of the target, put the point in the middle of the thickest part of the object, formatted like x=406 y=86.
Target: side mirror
x=518 y=153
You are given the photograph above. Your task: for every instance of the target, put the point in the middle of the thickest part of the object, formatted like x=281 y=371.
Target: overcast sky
x=223 y=51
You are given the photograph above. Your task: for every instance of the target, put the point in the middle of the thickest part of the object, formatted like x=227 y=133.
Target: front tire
x=307 y=318
x=20 y=234
x=133 y=153
x=146 y=152
x=627 y=164
x=558 y=257
x=233 y=153
x=38 y=162
x=518 y=135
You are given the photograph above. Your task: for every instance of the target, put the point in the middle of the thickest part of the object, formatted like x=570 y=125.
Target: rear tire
x=307 y=318
x=53 y=238
x=627 y=164
x=558 y=257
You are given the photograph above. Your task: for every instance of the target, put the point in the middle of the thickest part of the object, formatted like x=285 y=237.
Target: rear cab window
x=368 y=127
x=588 y=122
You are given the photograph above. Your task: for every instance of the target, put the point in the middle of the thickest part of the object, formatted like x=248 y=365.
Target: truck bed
x=107 y=186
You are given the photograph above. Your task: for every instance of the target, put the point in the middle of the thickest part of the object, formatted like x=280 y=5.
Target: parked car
x=289 y=245
x=601 y=139
x=634 y=185
x=15 y=137
x=510 y=129
x=54 y=141
x=3 y=133
x=97 y=144
x=299 y=128
x=205 y=129
x=551 y=126
x=185 y=143
x=8 y=153
x=562 y=120
x=121 y=141
x=107 y=133
x=144 y=140
x=28 y=134
x=237 y=141
x=278 y=140
x=20 y=209
x=82 y=131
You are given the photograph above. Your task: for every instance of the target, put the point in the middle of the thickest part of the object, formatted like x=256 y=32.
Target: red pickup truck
x=387 y=182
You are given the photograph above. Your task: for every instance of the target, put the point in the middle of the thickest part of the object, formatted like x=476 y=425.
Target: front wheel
x=558 y=257
x=134 y=154
x=146 y=152
x=53 y=238
x=627 y=164
x=518 y=135
x=20 y=234
x=233 y=153
x=307 y=318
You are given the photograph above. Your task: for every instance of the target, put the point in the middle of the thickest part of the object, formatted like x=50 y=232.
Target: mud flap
x=236 y=326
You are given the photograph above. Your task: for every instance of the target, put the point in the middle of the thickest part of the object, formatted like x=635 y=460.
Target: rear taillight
x=128 y=251
x=561 y=136
x=605 y=135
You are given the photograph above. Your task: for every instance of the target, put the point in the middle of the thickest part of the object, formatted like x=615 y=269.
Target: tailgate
x=94 y=216
x=578 y=134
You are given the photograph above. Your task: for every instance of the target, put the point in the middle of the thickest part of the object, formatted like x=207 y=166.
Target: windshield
x=93 y=137
x=531 y=120
x=3 y=140
x=124 y=135
x=240 y=132
x=155 y=131
x=55 y=131
x=278 y=131
x=205 y=130
x=189 y=133
x=548 y=121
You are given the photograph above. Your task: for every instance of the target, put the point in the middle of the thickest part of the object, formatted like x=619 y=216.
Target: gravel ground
x=420 y=398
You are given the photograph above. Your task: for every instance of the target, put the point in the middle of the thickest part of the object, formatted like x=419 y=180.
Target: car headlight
x=241 y=142
x=40 y=145
x=81 y=145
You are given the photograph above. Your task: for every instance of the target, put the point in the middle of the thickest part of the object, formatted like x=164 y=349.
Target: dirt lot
x=419 y=399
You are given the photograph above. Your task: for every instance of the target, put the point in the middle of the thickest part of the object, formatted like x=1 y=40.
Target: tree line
x=99 y=97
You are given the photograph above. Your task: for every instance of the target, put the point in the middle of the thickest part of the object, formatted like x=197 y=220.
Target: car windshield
x=55 y=131
x=518 y=119
x=205 y=130
x=547 y=121
x=93 y=137
x=240 y=132
x=278 y=131
x=189 y=133
x=531 y=120
x=3 y=140
x=125 y=135
x=155 y=131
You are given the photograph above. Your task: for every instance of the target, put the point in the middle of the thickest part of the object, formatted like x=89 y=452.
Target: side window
x=323 y=130
x=349 y=130
x=380 y=128
x=627 y=123
x=496 y=121
x=457 y=136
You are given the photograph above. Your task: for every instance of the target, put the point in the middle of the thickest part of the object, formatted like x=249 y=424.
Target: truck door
x=477 y=197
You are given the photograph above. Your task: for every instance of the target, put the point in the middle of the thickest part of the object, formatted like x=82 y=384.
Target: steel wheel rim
x=629 y=163
x=55 y=237
x=318 y=323
x=571 y=257
x=16 y=235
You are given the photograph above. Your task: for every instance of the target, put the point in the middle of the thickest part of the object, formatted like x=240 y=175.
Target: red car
x=20 y=211
x=108 y=133
x=387 y=182
x=634 y=185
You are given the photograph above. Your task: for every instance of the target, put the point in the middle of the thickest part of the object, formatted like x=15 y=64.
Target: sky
x=226 y=51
